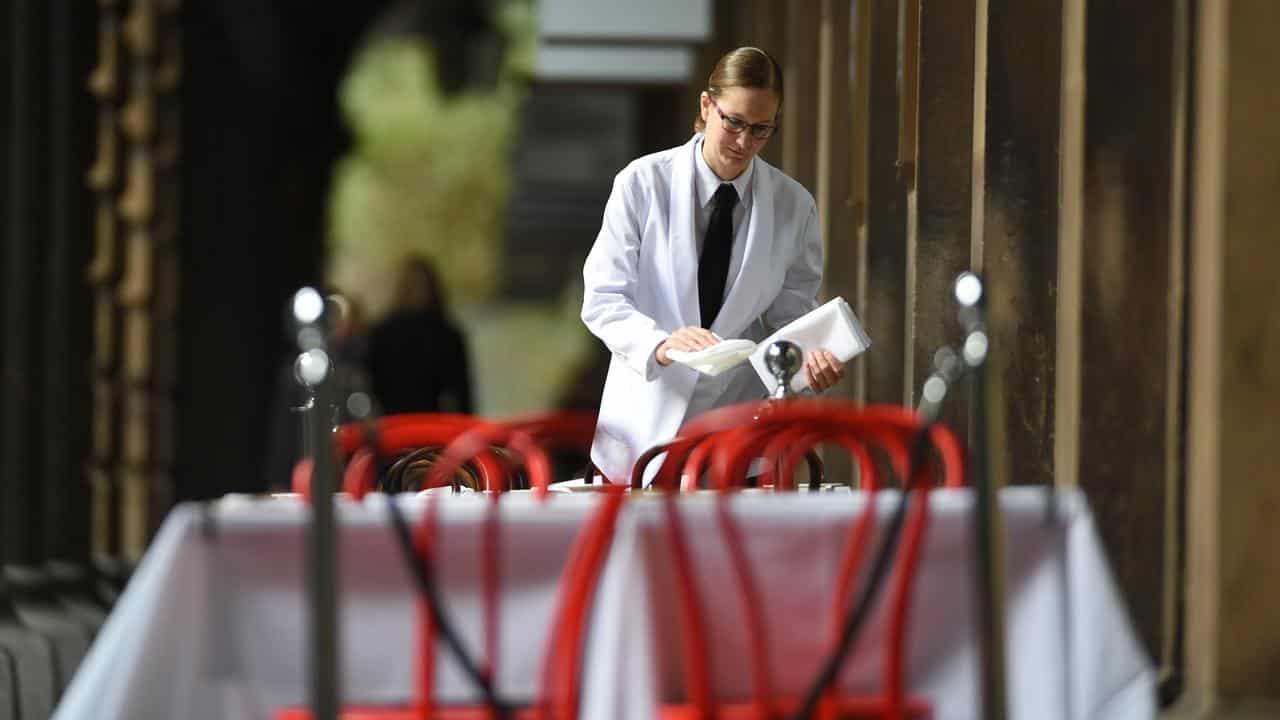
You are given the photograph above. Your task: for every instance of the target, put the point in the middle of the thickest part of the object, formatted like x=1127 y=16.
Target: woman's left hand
x=822 y=370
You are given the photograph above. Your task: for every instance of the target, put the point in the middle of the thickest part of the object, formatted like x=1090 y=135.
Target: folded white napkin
x=832 y=327
x=715 y=359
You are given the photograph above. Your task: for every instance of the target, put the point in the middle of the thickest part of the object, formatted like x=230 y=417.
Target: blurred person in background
x=417 y=355
x=700 y=242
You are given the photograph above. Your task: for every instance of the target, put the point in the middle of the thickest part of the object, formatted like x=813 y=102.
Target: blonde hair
x=745 y=67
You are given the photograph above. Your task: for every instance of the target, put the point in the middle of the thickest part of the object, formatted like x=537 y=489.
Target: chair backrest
x=469 y=440
x=531 y=438
x=868 y=475
x=781 y=436
x=559 y=679
x=361 y=445
x=725 y=441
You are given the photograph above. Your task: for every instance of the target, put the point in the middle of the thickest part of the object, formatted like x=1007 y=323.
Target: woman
x=700 y=242
x=417 y=357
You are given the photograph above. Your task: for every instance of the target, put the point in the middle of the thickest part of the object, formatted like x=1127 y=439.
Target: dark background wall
x=46 y=49
x=261 y=131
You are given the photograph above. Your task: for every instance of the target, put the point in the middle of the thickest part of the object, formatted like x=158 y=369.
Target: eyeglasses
x=762 y=131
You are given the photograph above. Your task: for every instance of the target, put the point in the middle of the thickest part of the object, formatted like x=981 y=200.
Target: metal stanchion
x=314 y=370
x=986 y=428
x=986 y=422
x=783 y=359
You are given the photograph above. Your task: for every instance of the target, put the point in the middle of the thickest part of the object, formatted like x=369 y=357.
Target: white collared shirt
x=706 y=183
x=707 y=391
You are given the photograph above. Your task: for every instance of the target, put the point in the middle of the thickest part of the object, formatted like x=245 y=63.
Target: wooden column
x=800 y=77
x=103 y=179
x=136 y=207
x=885 y=315
x=836 y=149
x=1233 y=572
x=769 y=30
x=133 y=274
x=835 y=177
x=1126 y=343
x=147 y=205
x=943 y=205
x=859 y=191
x=1020 y=222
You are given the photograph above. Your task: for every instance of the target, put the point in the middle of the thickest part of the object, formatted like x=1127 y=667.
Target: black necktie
x=713 y=266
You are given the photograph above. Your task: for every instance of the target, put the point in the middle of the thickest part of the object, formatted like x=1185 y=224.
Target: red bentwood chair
x=781 y=436
x=531 y=441
x=359 y=447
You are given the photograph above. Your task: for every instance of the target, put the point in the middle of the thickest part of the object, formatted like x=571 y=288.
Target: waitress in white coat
x=700 y=242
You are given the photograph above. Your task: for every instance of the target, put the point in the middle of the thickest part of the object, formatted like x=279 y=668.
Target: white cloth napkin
x=832 y=327
x=715 y=359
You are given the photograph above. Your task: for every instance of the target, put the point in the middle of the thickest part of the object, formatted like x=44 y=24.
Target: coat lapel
x=682 y=245
x=739 y=305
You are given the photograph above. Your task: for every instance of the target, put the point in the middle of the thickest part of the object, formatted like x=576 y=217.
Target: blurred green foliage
x=428 y=174
x=431 y=175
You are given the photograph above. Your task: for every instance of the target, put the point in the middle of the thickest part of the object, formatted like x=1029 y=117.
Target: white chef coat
x=641 y=284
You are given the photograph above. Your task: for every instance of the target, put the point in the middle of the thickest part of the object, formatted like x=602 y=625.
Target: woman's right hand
x=688 y=339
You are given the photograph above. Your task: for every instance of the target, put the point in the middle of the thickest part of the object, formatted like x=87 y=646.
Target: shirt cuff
x=652 y=366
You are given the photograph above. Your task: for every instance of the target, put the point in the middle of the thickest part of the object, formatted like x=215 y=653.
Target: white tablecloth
x=213 y=624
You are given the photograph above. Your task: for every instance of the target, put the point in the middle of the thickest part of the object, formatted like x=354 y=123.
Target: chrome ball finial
x=306 y=319
x=311 y=367
x=783 y=359
x=308 y=306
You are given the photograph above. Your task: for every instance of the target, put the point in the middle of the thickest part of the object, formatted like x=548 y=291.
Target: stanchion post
x=314 y=370
x=984 y=427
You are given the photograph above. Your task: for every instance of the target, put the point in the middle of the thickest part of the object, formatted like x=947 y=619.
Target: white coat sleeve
x=803 y=280
x=611 y=276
